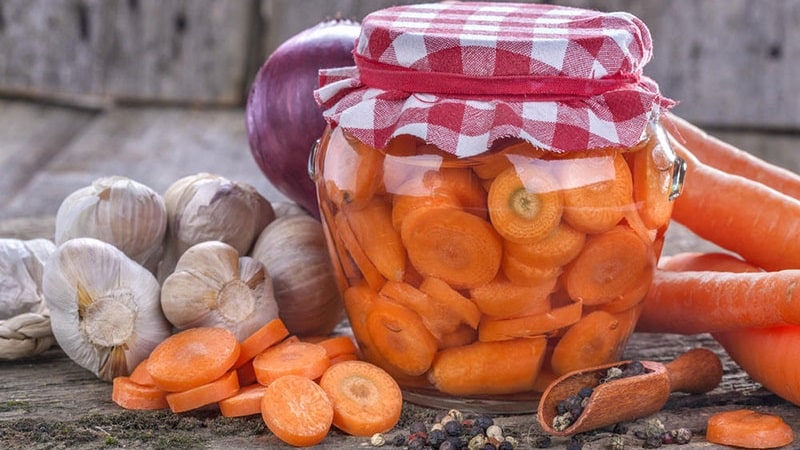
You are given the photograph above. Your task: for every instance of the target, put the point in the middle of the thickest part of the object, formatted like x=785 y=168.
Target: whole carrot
x=738 y=214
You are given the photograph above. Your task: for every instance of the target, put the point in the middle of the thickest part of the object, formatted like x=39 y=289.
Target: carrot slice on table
x=502 y=299
x=748 y=429
x=366 y=399
x=488 y=367
x=297 y=410
x=525 y=203
x=141 y=376
x=246 y=402
x=290 y=358
x=528 y=326
x=192 y=358
x=380 y=241
x=362 y=262
x=353 y=171
x=219 y=389
x=651 y=185
x=436 y=316
x=595 y=339
x=597 y=190
x=131 y=395
x=338 y=345
x=400 y=337
x=459 y=306
x=608 y=266
x=556 y=249
x=268 y=335
x=453 y=245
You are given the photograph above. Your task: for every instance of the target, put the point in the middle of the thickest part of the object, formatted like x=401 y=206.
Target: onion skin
x=283 y=119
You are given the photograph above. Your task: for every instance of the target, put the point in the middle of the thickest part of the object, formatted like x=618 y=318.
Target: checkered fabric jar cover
x=461 y=75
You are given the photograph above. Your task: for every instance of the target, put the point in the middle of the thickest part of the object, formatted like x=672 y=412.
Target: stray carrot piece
x=290 y=358
x=459 y=306
x=400 y=337
x=608 y=266
x=651 y=185
x=596 y=205
x=192 y=358
x=525 y=203
x=246 y=402
x=353 y=171
x=748 y=429
x=141 y=376
x=344 y=357
x=436 y=316
x=488 y=367
x=556 y=249
x=366 y=399
x=528 y=326
x=297 y=410
x=453 y=245
x=268 y=335
x=502 y=299
x=372 y=226
x=338 y=345
x=197 y=397
x=362 y=262
x=131 y=395
x=595 y=339
x=525 y=274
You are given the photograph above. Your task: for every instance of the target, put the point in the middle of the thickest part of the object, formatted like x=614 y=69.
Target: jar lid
x=461 y=75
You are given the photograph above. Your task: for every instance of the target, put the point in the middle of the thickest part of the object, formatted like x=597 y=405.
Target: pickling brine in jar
x=495 y=188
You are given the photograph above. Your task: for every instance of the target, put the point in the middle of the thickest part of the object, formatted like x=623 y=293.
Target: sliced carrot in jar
x=437 y=317
x=400 y=337
x=492 y=164
x=526 y=274
x=402 y=205
x=353 y=171
x=597 y=338
x=502 y=299
x=529 y=326
x=353 y=248
x=651 y=184
x=380 y=241
x=556 y=249
x=458 y=305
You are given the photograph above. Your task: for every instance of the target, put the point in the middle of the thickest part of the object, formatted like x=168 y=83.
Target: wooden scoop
x=696 y=371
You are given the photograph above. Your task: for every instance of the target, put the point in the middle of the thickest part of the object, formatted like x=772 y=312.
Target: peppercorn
x=416 y=443
x=652 y=442
x=562 y=421
x=448 y=445
x=453 y=428
x=483 y=421
x=633 y=368
x=475 y=430
x=418 y=436
x=454 y=442
x=617 y=442
x=417 y=427
x=505 y=445
x=456 y=414
x=494 y=432
x=436 y=437
x=476 y=442
x=612 y=374
x=399 y=440
x=377 y=440
x=489 y=446
x=681 y=436
x=585 y=392
x=574 y=444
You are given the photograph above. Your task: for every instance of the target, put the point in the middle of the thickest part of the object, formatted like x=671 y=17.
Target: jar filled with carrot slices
x=495 y=187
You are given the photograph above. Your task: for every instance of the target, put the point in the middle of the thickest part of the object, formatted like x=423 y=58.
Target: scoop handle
x=697 y=371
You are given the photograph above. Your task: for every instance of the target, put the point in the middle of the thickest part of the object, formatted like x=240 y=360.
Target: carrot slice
x=608 y=266
x=634 y=296
x=402 y=205
x=595 y=339
x=453 y=245
x=524 y=203
x=358 y=302
x=353 y=171
x=502 y=299
x=458 y=305
x=366 y=399
x=246 y=402
x=525 y=274
x=290 y=358
x=197 y=397
x=495 y=162
x=436 y=316
x=463 y=335
x=246 y=374
x=192 y=358
x=380 y=241
x=350 y=242
x=488 y=367
x=141 y=376
x=338 y=345
x=651 y=184
x=556 y=249
x=297 y=410
x=400 y=337
x=748 y=429
x=131 y=395
x=268 y=335
x=344 y=357
x=597 y=205
x=528 y=326
x=465 y=186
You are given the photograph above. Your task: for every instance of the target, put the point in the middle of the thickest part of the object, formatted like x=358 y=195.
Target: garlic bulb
x=104 y=307
x=117 y=210
x=208 y=207
x=21 y=266
x=213 y=286
x=294 y=251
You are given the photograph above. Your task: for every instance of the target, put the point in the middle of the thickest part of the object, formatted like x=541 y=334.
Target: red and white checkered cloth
x=461 y=75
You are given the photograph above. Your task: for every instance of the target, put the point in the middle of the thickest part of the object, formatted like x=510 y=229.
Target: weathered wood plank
x=176 y=51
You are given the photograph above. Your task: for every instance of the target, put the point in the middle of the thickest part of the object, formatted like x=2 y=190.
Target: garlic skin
x=21 y=270
x=105 y=308
x=212 y=286
x=208 y=207
x=119 y=211
x=295 y=253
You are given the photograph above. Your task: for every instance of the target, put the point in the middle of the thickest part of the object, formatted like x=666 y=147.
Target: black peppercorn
x=585 y=392
x=399 y=440
x=436 y=437
x=418 y=427
x=505 y=445
x=483 y=421
x=416 y=443
x=453 y=428
x=474 y=431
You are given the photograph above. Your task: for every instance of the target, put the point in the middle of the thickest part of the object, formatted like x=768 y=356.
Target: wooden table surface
x=47 y=401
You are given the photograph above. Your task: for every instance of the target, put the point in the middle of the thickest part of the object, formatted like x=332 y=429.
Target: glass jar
x=477 y=274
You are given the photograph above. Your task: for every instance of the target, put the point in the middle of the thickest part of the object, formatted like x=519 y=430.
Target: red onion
x=283 y=120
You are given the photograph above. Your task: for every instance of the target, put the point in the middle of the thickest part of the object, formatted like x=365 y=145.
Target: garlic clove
x=119 y=211
x=105 y=309
x=213 y=286
x=21 y=267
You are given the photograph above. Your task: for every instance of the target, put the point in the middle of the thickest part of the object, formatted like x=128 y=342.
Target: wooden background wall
x=731 y=63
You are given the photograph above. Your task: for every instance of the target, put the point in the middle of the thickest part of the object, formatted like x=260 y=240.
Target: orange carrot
x=728 y=158
x=344 y=268
x=529 y=326
x=344 y=357
x=436 y=316
x=597 y=338
x=246 y=402
x=377 y=237
x=131 y=395
x=524 y=274
x=719 y=207
x=524 y=203
x=488 y=367
x=748 y=429
x=453 y=245
x=402 y=205
x=556 y=249
x=192 y=358
x=598 y=188
x=290 y=358
x=608 y=266
x=699 y=261
x=459 y=306
x=502 y=299
x=268 y=335
x=651 y=185
x=197 y=397
x=492 y=164
x=358 y=302
x=349 y=241
x=400 y=337
x=366 y=399
x=338 y=345
x=297 y=410
x=462 y=335
x=246 y=374
x=633 y=297
x=353 y=171
x=141 y=376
